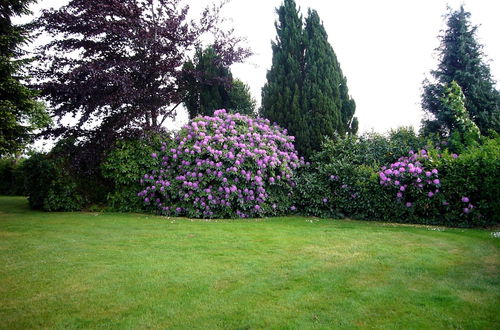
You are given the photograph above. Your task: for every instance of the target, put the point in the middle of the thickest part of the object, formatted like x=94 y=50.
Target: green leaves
x=345 y=174
x=123 y=167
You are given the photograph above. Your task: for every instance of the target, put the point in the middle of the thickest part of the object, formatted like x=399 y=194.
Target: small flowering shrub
x=228 y=165
x=409 y=179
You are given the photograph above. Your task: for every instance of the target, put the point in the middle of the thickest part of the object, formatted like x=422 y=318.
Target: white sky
x=385 y=48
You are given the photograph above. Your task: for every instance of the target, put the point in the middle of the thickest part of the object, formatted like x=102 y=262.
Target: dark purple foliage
x=115 y=64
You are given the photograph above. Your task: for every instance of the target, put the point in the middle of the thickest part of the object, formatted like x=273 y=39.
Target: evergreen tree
x=20 y=113
x=281 y=95
x=325 y=98
x=461 y=60
x=306 y=91
x=240 y=99
x=209 y=85
x=454 y=102
x=463 y=131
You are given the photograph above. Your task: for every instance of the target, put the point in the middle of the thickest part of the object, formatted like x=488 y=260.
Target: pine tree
x=461 y=60
x=20 y=113
x=306 y=91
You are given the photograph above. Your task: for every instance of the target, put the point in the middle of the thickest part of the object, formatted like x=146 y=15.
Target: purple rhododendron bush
x=228 y=165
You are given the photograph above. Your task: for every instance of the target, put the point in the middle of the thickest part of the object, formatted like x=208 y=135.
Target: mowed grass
x=110 y=270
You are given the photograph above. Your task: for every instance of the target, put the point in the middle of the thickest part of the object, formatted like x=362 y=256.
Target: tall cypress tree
x=461 y=60
x=306 y=91
x=281 y=94
x=325 y=97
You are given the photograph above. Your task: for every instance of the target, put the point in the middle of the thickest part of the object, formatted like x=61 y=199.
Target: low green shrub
x=49 y=184
x=123 y=167
x=470 y=183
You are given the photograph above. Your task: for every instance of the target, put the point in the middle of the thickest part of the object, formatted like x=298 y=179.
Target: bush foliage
x=123 y=167
x=50 y=185
x=12 y=177
x=427 y=186
x=231 y=165
x=228 y=165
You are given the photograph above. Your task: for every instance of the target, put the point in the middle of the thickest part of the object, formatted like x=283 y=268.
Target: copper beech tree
x=116 y=64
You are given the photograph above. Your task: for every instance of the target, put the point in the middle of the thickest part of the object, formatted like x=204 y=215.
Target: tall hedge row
x=235 y=166
x=453 y=190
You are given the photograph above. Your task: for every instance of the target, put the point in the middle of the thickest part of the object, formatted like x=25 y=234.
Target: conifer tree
x=306 y=91
x=209 y=85
x=454 y=101
x=20 y=113
x=325 y=96
x=240 y=99
x=461 y=60
x=281 y=95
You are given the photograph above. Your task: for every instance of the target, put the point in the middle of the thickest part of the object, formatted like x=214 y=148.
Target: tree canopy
x=116 y=64
x=209 y=85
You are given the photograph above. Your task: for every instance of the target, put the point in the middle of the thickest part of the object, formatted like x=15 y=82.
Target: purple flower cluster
x=467 y=205
x=224 y=166
x=408 y=176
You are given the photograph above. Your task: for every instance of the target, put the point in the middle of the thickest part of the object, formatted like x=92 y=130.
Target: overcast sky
x=385 y=48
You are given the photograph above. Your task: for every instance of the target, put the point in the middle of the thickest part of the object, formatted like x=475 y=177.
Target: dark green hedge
x=50 y=185
x=341 y=184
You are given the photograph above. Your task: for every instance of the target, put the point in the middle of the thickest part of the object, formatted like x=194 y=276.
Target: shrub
x=343 y=180
x=12 y=177
x=371 y=149
x=224 y=166
x=123 y=167
x=409 y=180
x=336 y=190
x=50 y=186
x=426 y=187
x=470 y=185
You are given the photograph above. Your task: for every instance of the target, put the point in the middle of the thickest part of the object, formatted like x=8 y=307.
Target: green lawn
x=109 y=270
